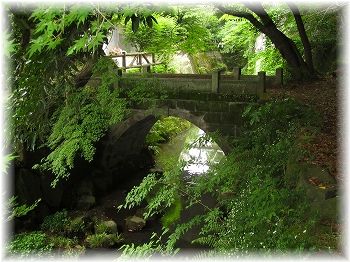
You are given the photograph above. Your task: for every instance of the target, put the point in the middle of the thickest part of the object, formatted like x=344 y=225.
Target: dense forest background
x=261 y=195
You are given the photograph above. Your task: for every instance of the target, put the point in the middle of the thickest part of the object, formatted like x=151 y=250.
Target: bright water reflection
x=200 y=153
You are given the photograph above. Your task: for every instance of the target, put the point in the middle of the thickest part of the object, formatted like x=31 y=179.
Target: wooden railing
x=140 y=60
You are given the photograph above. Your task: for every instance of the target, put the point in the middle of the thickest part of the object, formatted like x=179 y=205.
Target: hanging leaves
x=136 y=19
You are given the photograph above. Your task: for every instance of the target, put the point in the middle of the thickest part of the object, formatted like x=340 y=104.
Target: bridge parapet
x=214 y=83
x=207 y=83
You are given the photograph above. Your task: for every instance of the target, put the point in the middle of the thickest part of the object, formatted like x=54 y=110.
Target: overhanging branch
x=245 y=15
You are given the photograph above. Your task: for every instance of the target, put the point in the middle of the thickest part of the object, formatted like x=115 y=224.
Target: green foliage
x=184 y=29
x=17 y=210
x=160 y=193
x=144 y=91
x=259 y=206
x=263 y=209
x=7 y=162
x=82 y=121
x=50 y=46
x=164 y=129
x=103 y=240
x=61 y=242
x=172 y=214
x=32 y=243
x=76 y=226
x=56 y=223
x=147 y=250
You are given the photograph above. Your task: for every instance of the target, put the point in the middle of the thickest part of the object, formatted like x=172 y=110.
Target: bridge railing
x=271 y=81
x=140 y=60
x=208 y=83
x=235 y=83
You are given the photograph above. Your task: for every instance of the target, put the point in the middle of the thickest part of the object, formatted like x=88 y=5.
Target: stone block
x=218 y=106
x=186 y=104
x=202 y=106
x=212 y=117
x=230 y=117
x=236 y=107
x=171 y=103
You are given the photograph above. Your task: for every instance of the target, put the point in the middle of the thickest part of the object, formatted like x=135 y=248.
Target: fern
x=82 y=121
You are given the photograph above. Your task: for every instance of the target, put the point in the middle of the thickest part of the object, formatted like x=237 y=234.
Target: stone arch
x=127 y=137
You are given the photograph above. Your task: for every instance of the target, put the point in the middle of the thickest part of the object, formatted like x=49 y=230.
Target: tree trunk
x=299 y=68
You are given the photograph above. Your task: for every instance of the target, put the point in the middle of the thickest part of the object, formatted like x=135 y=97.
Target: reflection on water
x=200 y=153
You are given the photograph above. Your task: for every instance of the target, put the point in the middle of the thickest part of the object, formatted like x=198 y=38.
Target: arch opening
x=186 y=142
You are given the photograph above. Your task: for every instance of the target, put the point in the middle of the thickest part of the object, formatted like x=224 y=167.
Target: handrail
x=139 y=60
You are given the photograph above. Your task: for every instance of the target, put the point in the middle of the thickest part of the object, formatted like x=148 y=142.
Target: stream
x=185 y=146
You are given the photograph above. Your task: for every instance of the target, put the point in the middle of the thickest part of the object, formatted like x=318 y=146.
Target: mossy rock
x=108 y=227
x=76 y=225
x=134 y=223
x=103 y=240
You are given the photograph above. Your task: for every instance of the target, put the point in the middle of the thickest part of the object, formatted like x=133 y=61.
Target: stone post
x=119 y=74
x=261 y=87
x=124 y=61
x=146 y=69
x=279 y=77
x=237 y=73
x=215 y=81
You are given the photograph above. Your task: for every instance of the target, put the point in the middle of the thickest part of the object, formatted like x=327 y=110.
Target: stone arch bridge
x=213 y=102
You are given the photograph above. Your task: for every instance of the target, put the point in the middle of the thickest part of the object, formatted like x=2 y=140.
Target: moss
x=172 y=214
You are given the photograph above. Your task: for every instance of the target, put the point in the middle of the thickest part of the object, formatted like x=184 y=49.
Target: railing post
x=237 y=73
x=279 y=77
x=146 y=69
x=215 y=81
x=153 y=59
x=124 y=61
x=261 y=85
x=139 y=61
x=119 y=74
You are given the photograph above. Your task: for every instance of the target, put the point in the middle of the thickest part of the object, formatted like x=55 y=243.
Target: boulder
x=27 y=186
x=85 y=202
x=85 y=187
x=134 y=223
x=52 y=196
x=102 y=183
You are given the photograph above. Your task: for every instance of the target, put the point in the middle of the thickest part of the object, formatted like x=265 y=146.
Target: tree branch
x=259 y=10
x=245 y=15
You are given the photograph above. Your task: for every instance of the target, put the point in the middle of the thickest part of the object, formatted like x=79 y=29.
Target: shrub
x=62 y=242
x=76 y=225
x=31 y=243
x=103 y=240
x=56 y=223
